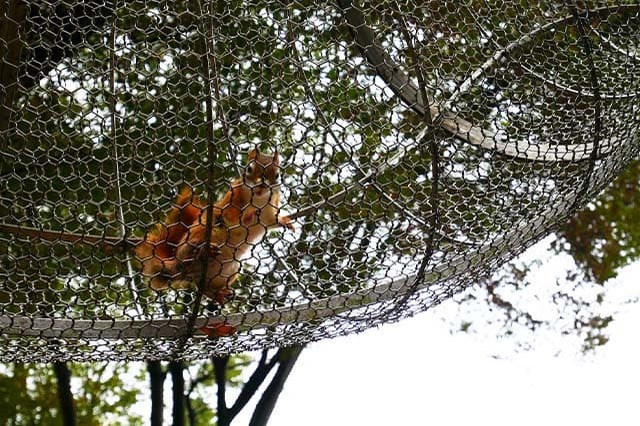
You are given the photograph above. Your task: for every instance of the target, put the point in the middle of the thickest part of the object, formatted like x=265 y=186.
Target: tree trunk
x=156 y=378
x=67 y=406
x=176 y=368
x=220 y=372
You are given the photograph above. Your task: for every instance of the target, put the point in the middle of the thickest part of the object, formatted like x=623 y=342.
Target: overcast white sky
x=416 y=372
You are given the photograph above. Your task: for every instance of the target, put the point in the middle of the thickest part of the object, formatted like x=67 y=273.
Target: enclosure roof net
x=419 y=146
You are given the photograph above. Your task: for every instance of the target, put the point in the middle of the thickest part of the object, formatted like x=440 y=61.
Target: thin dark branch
x=255 y=381
x=176 y=368
x=287 y=358
x=156 y=378
x=195 y=382
x=67 y=405
x=191 y=412
x=220 y=371
x=263 y=357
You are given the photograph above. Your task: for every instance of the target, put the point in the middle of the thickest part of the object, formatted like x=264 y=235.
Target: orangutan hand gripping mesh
x=171 y=252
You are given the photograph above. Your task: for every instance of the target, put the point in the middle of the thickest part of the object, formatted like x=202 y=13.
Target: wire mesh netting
x=188 y=178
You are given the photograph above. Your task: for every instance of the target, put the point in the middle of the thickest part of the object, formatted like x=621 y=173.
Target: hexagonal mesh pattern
x=419 y=145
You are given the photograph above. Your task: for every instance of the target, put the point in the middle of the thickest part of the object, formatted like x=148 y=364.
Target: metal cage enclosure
x=422 y=144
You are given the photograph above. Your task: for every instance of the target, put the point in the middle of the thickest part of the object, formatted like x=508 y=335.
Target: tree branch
x=67 y=405
x=191 y=413
x=195 y=382
x=255 y=381
x=156 y=377
x=287 y=358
